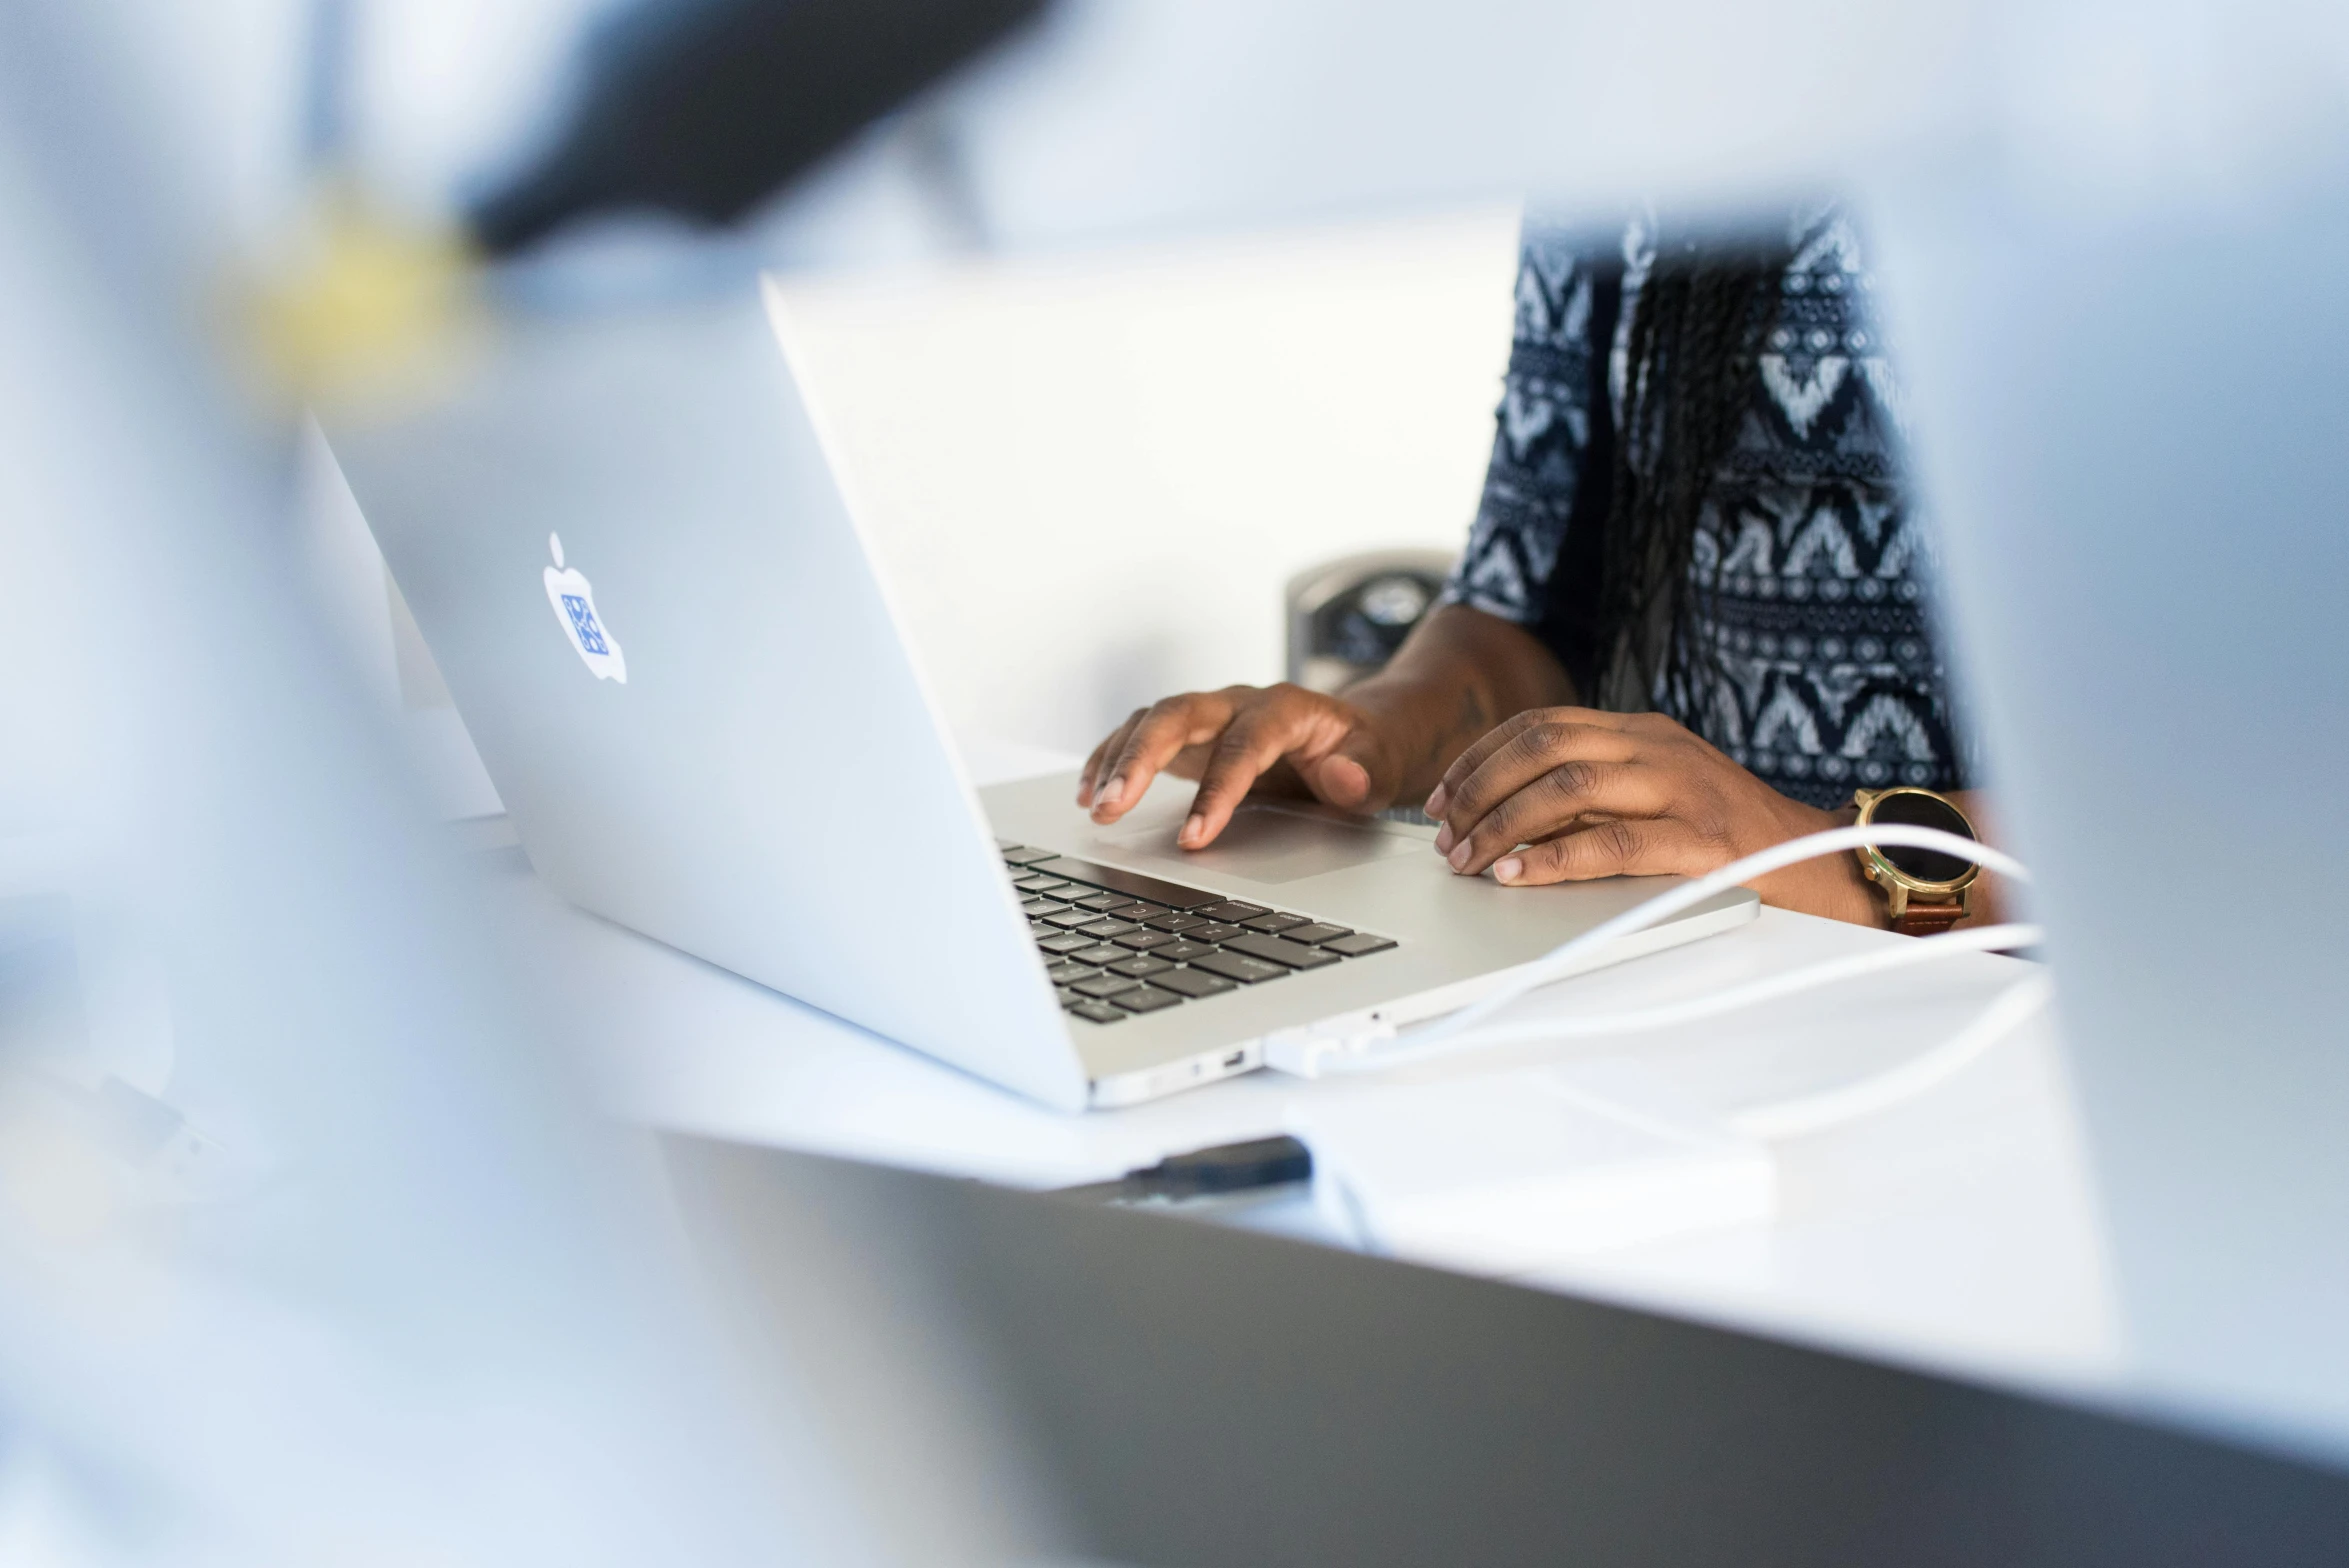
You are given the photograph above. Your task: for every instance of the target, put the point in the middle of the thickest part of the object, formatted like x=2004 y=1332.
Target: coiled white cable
x=1310 y=1054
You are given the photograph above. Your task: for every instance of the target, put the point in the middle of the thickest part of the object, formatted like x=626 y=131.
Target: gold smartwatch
x=1925 y=890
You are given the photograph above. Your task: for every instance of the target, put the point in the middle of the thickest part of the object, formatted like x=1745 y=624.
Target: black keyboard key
x=1067 y=918
x=1034 y=884
x=1214 y=931
x=1233 y=910
x=1098 y=1012
x=1182 y=950
x=1317 y=934
x=1037 y=908
x=1063 y=942
x=1095 y=953
x=1279 y=950
x=1141 y=966
x=1104 y=985
x=1144 y=941
x=1106 y=928
x=1274 y=924
x=1177 y=921
x=1067 y=973
x=1145 y=999
x=1232 y=966
x=1193 y=982
x=1137 y=910
x=1022 y=856
x=1358 y=944
x=1101 y=903
x=1131 y=883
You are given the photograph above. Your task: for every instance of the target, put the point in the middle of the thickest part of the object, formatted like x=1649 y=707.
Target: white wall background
x=1087 y=479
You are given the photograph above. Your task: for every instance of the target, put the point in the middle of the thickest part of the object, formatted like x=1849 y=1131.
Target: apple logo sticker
x=573 y=597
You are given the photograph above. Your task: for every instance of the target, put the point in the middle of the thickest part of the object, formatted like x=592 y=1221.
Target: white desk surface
x=1955 y=1232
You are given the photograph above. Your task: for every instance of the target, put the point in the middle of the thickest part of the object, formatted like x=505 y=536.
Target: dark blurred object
x=1204 y=1395
x=1227 y=1168
x=1347 y=617
x=706 y=107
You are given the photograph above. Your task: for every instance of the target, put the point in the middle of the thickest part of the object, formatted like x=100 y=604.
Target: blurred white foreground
x=389 y=1294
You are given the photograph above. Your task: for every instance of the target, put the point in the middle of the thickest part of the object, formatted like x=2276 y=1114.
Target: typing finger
x=1162 y=731
x=1557 y=798
x=1534 y=744
x=1355 y=773
x=1473 y=758
x=1502 y=734
x=1089 y=780
x=1619 y=846
x=1259 y=737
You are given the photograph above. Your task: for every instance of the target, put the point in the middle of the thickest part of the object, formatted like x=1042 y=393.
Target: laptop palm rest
x=1267 y=843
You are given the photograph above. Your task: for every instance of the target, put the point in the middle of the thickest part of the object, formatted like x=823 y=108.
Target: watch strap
x=1929 y=919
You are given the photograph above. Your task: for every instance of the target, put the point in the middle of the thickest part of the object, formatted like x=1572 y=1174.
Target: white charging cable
x=1809 y=1113
x=1352 y=1048
x=1729 y=999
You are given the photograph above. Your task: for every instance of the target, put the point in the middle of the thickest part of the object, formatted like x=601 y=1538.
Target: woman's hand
x=1388 y=736
x=1567 y=794
x=1282 y=739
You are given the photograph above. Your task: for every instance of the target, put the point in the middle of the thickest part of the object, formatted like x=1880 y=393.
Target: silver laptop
x=634 y=563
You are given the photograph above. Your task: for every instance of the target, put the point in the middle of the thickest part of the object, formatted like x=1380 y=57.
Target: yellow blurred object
x=371 y=307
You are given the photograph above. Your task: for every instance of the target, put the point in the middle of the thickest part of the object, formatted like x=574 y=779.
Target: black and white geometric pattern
x=1810 y=572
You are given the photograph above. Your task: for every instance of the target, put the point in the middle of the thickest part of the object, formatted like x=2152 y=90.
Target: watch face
x=1924 y=811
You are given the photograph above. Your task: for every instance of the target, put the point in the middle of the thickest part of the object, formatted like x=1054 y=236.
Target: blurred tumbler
x=1347 y=617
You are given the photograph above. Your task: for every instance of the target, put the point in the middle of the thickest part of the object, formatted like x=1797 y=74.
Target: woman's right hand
x=1284 y=738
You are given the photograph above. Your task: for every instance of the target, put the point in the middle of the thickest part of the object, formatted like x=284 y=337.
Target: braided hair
x=1687 y=386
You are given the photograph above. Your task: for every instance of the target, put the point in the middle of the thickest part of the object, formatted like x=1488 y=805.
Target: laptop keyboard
x=1117 y=943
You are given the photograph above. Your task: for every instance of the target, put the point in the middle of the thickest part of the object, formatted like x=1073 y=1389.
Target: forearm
x=1460 y=673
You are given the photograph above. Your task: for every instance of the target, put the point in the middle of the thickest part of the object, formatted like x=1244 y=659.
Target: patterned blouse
x=1810 y=563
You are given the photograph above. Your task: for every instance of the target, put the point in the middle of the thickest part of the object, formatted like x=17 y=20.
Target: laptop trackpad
x=1267 y=843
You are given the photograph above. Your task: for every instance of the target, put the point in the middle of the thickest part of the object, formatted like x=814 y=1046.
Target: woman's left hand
x=1567 y=794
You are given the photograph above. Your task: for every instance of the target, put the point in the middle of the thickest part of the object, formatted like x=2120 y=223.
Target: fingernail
x=1459 y=855
x=1111 y=793
x=1508 y=870
x=1435 y=802
x=1444 y=839
x=1192 y=828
